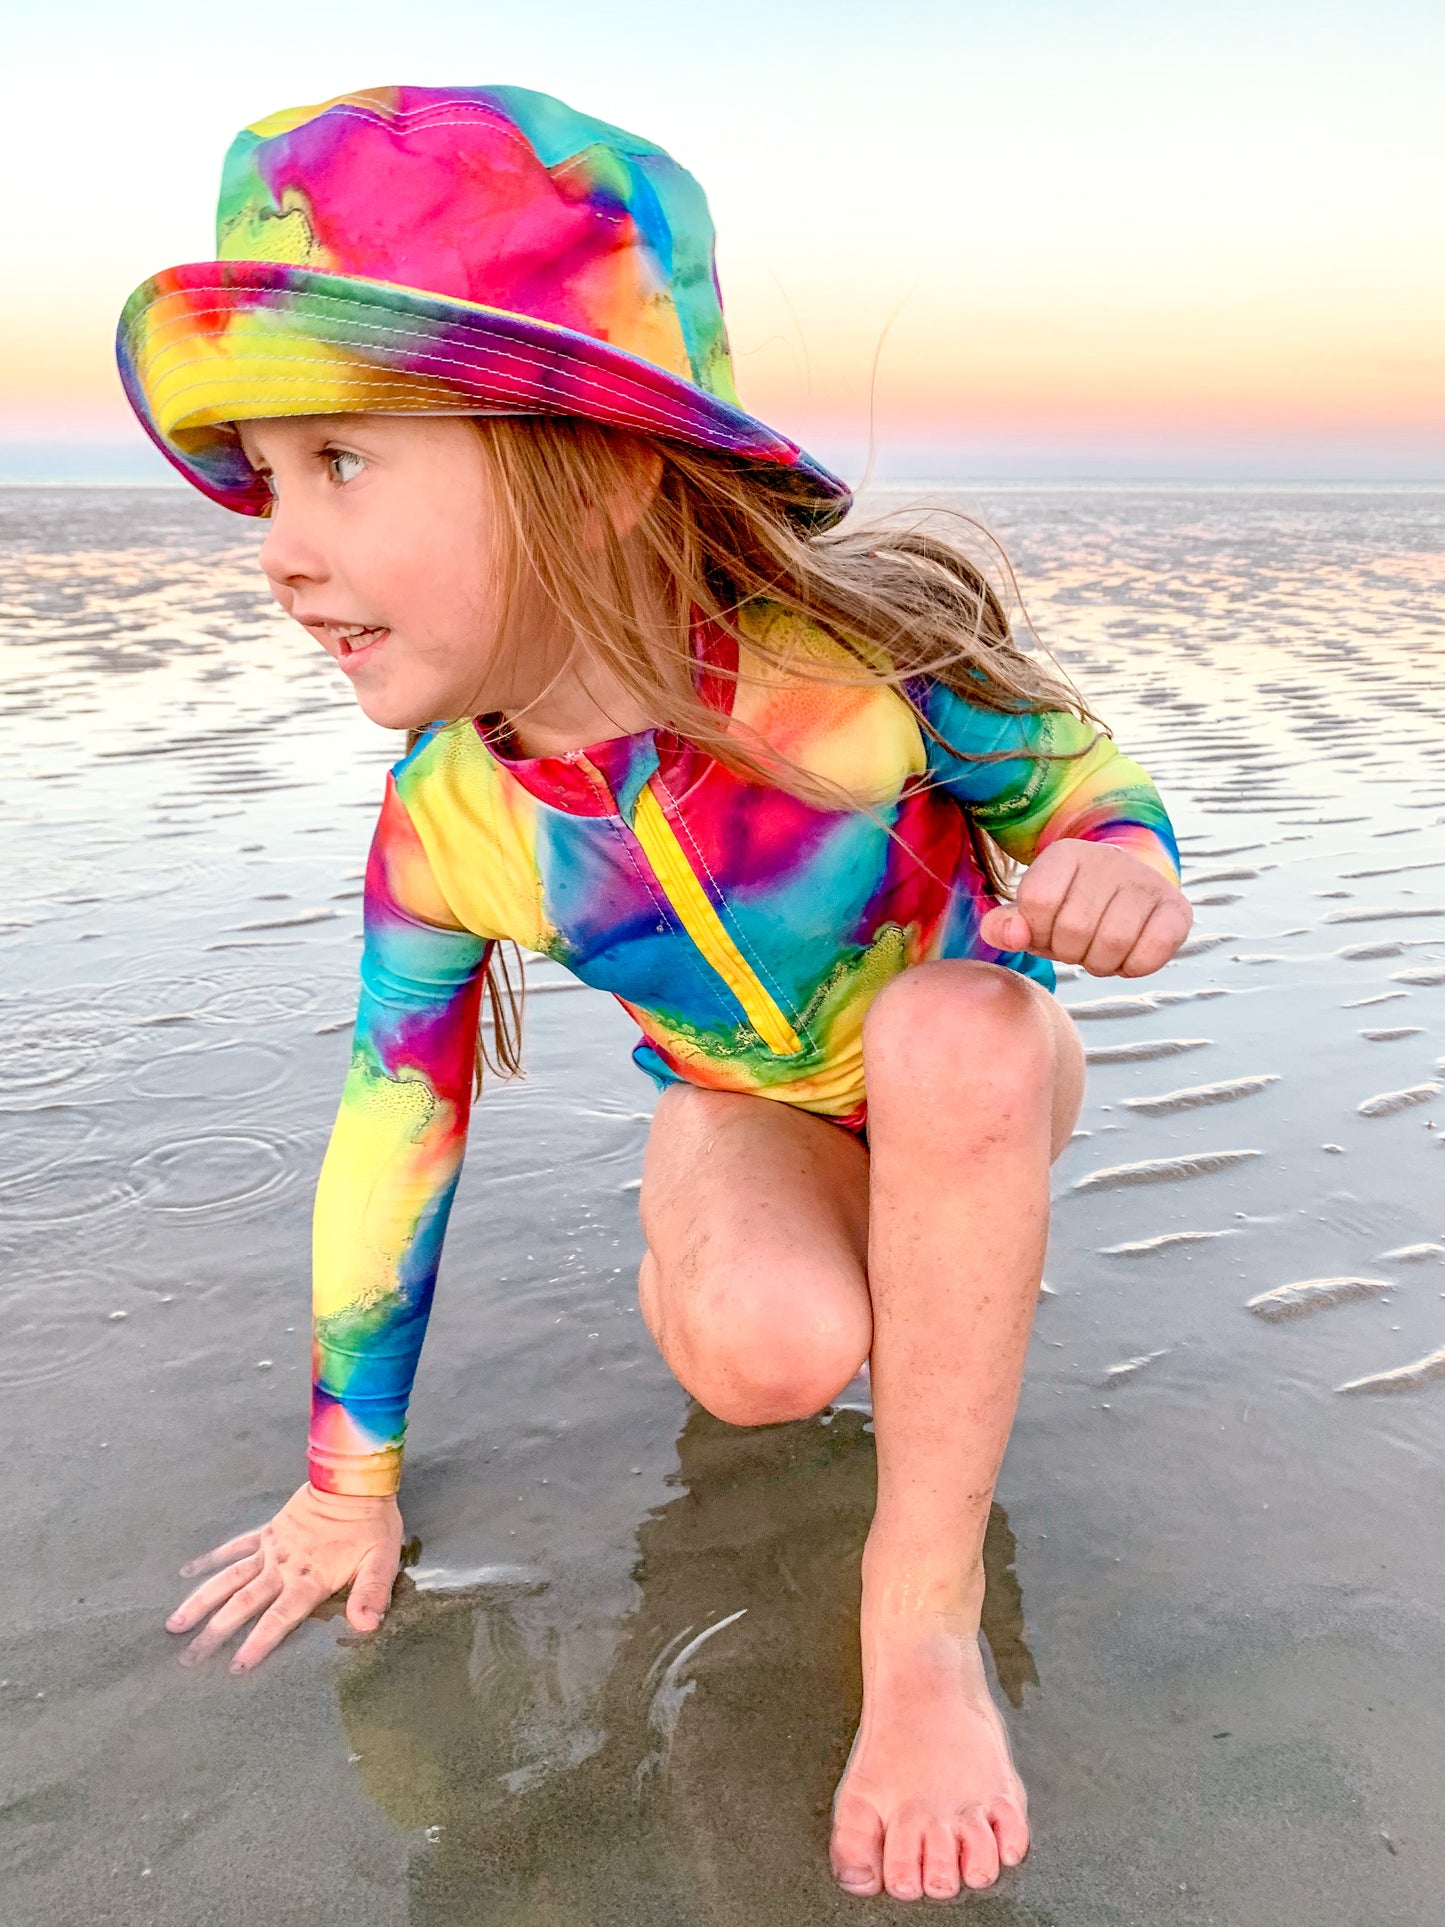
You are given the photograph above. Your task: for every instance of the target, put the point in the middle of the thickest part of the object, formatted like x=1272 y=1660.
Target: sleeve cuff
x=372 y=1475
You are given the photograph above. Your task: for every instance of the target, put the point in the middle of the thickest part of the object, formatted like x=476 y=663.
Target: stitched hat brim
x=215 y=342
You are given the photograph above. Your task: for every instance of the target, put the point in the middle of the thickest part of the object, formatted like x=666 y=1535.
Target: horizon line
x=1116 y=479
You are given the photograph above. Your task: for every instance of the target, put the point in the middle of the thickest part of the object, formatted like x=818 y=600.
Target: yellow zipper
x=706 y=928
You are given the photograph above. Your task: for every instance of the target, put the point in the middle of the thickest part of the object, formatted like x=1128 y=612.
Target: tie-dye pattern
x=392 y=1165
x=746 y=931
x=454 y=250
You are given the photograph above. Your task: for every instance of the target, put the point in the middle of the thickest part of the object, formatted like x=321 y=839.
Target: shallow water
x=619 y=1680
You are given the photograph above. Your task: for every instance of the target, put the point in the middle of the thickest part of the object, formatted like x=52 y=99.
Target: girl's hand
x=1091 y=904
x=316 y=1544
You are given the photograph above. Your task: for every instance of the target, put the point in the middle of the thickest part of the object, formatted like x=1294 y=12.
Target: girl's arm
x=392 y=1165
x=1102 y=888
x=1046 y=791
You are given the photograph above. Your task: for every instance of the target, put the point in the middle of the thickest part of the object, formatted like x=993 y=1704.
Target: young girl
x=675 y=725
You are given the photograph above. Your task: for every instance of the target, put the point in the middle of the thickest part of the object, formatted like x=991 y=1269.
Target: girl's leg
x=975 y=1077
x=754 y=1283
x=765 y=1287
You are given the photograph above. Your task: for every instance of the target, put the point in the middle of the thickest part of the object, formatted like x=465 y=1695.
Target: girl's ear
x=629 y=501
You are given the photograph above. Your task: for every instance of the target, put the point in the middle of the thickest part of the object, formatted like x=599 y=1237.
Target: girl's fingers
x=371 y=1590
x=1005 y=928
x=272 y=1627
x=1161 y=936
x=222 y=1555
x=237 y=1610
x=215 y=1591
x=1045 y=888
x=1077 y=919
x=1118 y=930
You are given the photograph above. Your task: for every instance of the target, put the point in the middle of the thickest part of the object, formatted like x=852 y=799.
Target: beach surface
x=619 y=1678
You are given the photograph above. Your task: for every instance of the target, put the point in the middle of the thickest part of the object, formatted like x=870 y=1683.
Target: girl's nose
x=289 y=560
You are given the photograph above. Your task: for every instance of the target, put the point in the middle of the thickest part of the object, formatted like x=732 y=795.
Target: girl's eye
x=344 y=465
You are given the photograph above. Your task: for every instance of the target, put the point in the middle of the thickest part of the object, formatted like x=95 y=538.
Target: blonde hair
x=718 y=535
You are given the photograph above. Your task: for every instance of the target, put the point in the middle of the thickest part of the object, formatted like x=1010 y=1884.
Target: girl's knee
x=773 y=1390
x=954 y=1024
x=750 y=1366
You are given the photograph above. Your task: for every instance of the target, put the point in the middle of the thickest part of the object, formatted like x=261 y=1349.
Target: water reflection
x=697 y=1782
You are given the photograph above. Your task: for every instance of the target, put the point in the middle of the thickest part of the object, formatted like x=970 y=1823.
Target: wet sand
x=620 y=1679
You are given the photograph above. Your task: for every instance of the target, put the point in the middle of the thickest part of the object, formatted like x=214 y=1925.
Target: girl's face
x=379 y=545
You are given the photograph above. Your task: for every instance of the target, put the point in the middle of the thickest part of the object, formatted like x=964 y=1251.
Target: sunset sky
x=1090 y=238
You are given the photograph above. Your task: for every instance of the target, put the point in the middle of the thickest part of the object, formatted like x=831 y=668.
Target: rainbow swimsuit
x=746 y=932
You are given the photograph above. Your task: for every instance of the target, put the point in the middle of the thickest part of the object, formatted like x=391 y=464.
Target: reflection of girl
x=748 y=771
x=559 y=1795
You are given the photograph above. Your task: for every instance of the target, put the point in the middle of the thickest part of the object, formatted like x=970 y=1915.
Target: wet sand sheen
x=619 y=1683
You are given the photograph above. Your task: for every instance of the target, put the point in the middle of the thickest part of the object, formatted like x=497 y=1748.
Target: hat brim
x=203 y=346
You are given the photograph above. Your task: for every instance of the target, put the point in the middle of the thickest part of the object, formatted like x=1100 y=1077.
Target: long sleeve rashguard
x=745 y=929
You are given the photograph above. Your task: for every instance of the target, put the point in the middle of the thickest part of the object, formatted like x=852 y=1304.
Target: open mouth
x=353 y=641
x=348 y=639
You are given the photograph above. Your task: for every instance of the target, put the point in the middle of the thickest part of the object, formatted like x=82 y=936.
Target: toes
x=978 y=1847
x=1011 y=1831
x=856 y=1848
x=940 y=1862
x=903 y=1856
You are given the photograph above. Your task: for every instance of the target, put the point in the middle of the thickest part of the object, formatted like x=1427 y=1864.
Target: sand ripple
x=1313 y=1294
x=1193 y=1095
x=1365 y=952
x=1196 y=1164
x=1388 y=1102
x=1379 y=915
x=1165 y=1241
x=1196 y=946
x=298 y=922
x=1396 y=869
x=1105 y=1007
x=1404 y=1378
x=1140 y=1006
x=1142 y=1052
x=1127 y=1367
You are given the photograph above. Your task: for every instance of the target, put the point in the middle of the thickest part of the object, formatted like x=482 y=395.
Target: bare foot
x=929 y=1800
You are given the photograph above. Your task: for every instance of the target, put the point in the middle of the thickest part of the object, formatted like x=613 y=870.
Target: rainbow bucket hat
x=446 y=250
